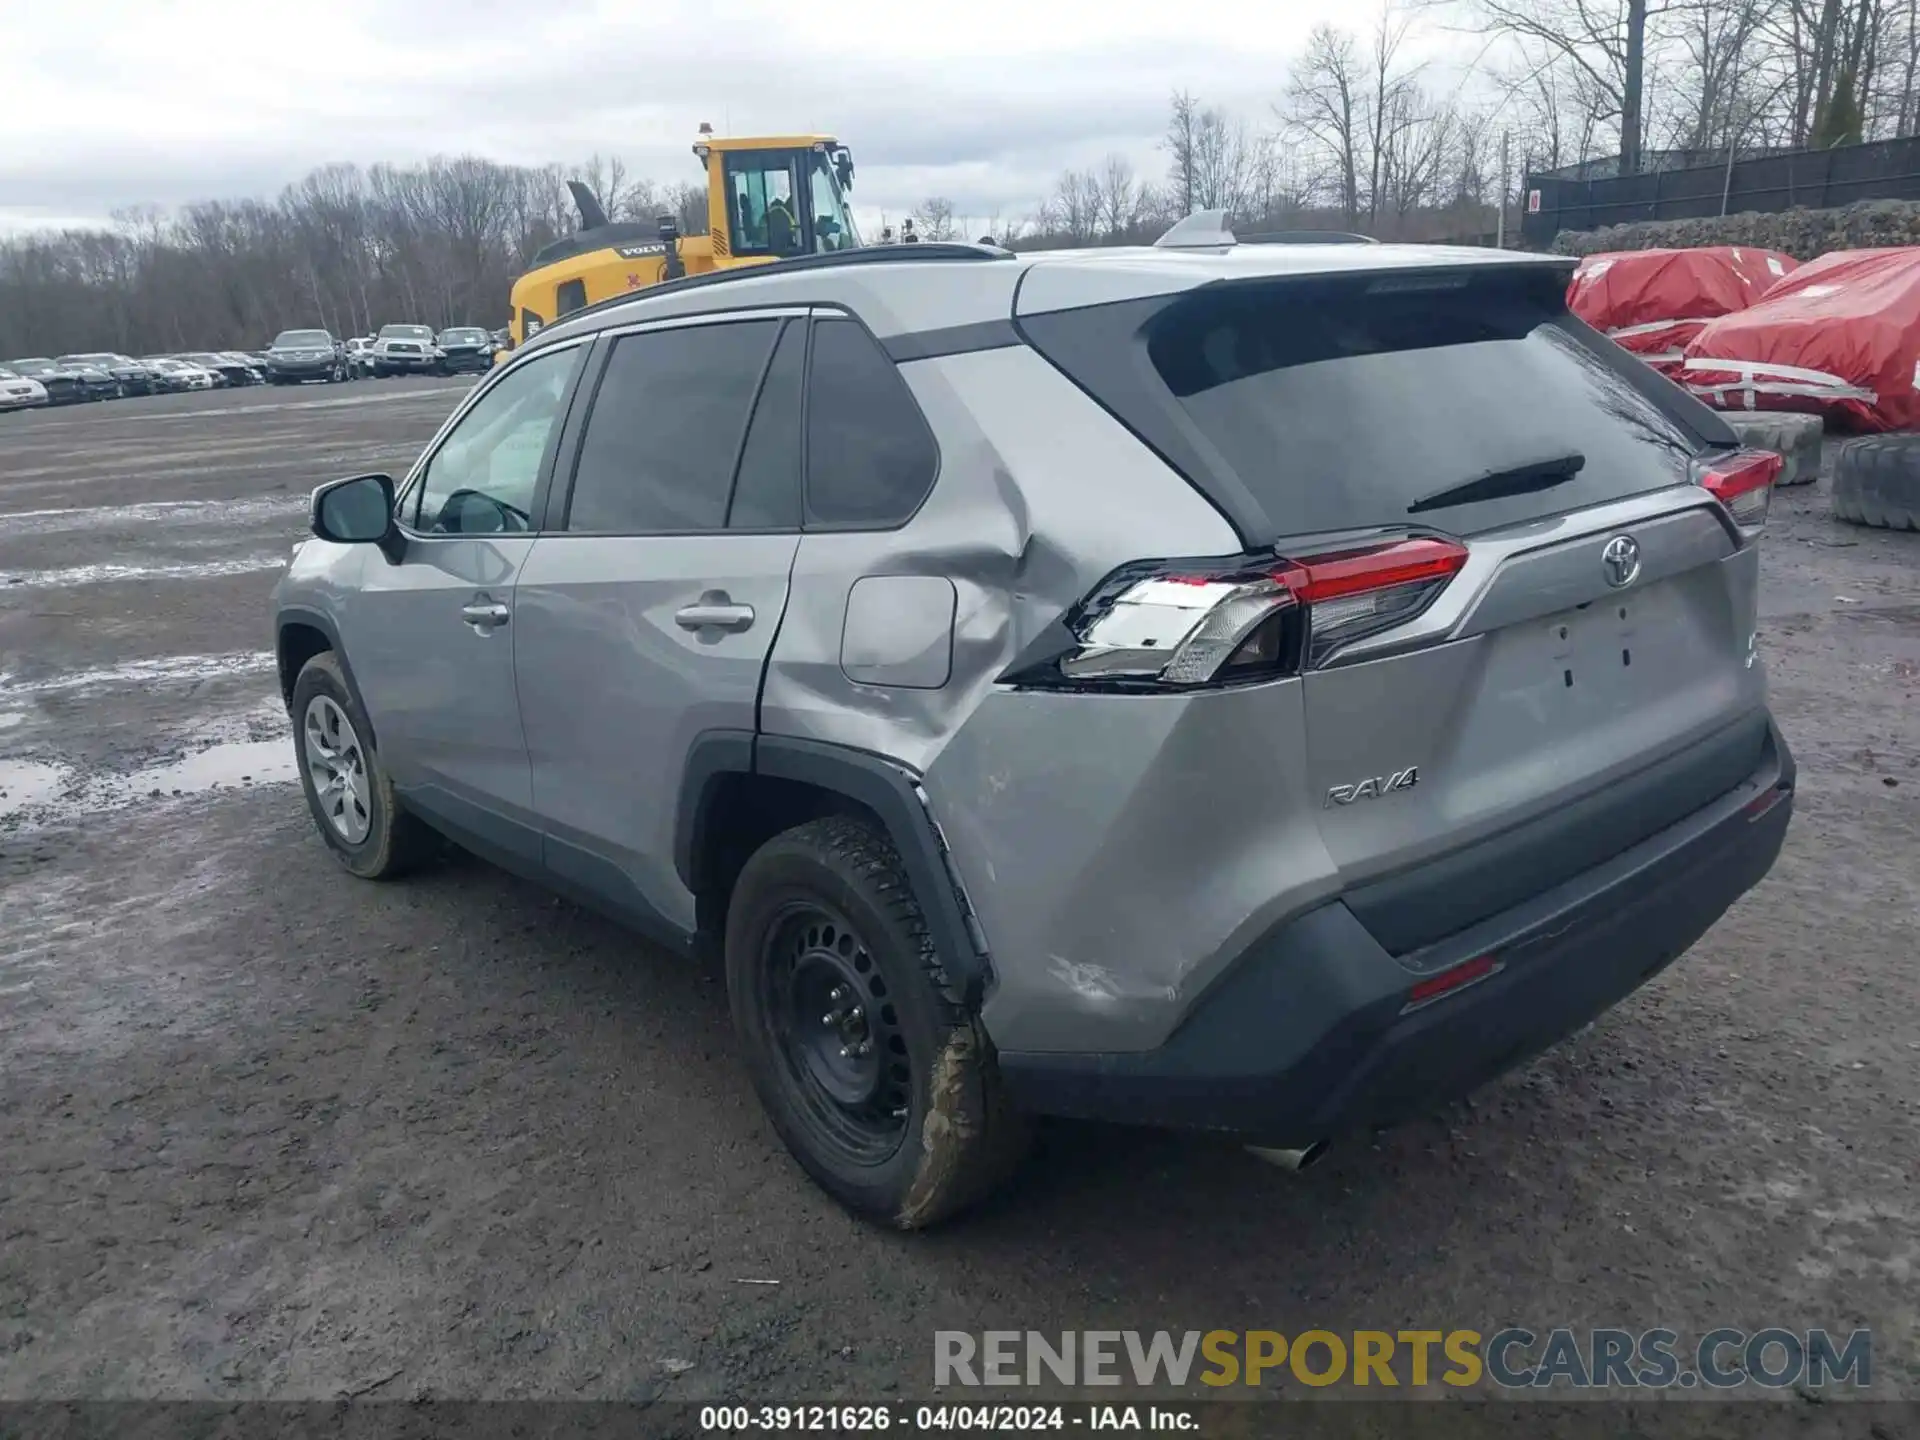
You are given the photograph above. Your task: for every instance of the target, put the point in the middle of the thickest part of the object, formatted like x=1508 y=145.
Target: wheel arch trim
x=891 y=792
x=291 y=615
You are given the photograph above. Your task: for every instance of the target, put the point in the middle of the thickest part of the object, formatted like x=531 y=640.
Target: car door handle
x=484 y=615
x=723 y=616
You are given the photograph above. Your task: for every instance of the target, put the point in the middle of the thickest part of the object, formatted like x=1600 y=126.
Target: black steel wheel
x=838 y=1034
x=875 y=1073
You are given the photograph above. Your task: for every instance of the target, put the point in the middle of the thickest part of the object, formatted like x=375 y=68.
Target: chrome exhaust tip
x=1295 y=1160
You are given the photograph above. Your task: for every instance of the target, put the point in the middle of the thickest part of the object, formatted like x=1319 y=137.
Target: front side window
x=482 y=478
x=662 y=440
x=762 y=198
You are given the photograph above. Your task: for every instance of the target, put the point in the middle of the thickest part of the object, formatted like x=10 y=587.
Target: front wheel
x=347 y=789
x=879 y=1081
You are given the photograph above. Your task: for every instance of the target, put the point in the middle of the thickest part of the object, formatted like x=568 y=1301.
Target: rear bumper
x=1311 y=1033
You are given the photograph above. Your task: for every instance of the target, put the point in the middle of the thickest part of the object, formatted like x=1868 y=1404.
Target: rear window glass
x=1305 y=406
x=1337 y=408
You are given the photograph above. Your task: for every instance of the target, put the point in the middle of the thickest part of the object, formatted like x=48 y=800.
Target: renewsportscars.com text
x=1511 y=1358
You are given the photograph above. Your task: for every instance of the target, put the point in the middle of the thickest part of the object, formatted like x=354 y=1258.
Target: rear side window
x=1333 y=405
x=766 y=492
x=870 y=457
x=666 y=428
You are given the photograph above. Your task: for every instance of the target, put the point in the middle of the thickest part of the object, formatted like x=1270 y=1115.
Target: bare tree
x=1325 y=103
x=935 y=219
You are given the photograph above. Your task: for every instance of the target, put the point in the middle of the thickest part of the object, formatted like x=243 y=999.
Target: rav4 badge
x=1374 y=787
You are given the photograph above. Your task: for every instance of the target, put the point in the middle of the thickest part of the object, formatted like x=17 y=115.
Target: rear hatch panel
x=1547 y=696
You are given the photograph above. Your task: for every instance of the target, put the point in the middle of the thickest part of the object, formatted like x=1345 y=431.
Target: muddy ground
x=269 y=1131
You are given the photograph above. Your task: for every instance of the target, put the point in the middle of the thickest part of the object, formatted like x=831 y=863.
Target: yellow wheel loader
x=768 y=198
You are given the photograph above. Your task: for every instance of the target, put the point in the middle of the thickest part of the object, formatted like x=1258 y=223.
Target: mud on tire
x=1876 y=481
x=827 y=952
x=1793 y=436
x=394 y=841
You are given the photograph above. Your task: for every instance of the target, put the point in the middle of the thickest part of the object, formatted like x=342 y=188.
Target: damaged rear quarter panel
x=1057 y=809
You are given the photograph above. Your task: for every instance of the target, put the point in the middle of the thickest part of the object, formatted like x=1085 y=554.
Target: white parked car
x=20 y=392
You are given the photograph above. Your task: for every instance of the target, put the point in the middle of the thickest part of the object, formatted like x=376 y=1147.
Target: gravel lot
x=267 y=1131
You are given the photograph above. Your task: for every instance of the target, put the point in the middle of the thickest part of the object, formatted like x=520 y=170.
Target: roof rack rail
x=1309 y=237
x=833 y=260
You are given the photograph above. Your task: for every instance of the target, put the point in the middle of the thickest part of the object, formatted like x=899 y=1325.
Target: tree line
x=1363 y=133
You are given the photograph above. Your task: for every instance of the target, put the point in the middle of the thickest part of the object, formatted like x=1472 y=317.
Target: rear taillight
x=1742 y=480
x=1180 y=624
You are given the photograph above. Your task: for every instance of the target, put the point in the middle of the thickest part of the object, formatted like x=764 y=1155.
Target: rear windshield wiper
x=1520 y=480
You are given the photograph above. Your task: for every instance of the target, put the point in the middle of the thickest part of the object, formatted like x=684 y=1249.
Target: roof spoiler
x=1213 y=229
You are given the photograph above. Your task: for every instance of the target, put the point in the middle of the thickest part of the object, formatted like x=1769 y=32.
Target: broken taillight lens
x=1742 y=480
x=1180 y=624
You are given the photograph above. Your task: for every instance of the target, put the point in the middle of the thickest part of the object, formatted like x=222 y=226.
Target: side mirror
x=355 y=511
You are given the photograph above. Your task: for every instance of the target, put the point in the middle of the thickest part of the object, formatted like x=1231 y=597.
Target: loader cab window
x=763 y=206
x=832 y=220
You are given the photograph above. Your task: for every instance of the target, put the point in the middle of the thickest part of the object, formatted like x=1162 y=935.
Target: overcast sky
x=120 y=102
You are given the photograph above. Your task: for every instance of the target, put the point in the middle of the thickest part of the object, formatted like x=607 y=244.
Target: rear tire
x=1876 y=482
x=880 y=1082
x=358 y=816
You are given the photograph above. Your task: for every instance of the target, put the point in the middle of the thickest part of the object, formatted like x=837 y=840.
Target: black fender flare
x=890 y=791
x=314 y=619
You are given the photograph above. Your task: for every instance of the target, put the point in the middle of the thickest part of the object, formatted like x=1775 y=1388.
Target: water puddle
x=25 y=784
x=48 y=522
x=36 y=793
x=140 y=672
x=110 y=574
x=251 y=762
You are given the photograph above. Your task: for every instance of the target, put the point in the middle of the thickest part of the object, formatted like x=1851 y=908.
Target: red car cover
x=1839 y=337
x=1653 y=302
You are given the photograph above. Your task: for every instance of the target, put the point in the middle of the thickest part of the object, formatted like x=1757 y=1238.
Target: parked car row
x=294 y=356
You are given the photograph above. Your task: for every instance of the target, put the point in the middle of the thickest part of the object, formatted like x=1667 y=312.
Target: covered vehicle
x=1839 y=337
x=1653 y=302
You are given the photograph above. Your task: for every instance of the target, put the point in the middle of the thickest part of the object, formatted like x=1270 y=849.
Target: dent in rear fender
x=1039 y=494
x=1123 y=852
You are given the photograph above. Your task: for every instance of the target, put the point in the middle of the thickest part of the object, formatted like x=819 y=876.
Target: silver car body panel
x=1119 y=852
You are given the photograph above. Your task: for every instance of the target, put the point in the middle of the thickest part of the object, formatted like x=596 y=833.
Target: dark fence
x=1816 y=179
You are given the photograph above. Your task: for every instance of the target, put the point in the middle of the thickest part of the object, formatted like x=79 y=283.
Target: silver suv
x=1266 y=689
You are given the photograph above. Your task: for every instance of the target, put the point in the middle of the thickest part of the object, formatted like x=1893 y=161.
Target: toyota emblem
x=1621 y=561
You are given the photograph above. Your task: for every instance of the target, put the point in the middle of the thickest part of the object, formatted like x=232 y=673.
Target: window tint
x=660 y=446
x=481 y=479
x=571 y=295
x=766 y=493
x=1338 y=405
x=870 y=457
